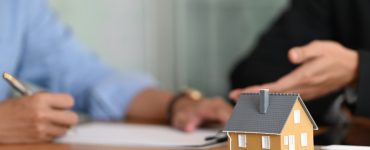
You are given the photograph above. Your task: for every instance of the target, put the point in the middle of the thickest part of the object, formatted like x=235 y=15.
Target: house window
x=291 y=142
x=297 y=116
x=286 y=140
x=242 y=140
x=304 y=142
x=265 y=142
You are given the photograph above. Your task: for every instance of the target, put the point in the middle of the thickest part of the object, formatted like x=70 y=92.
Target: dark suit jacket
x=344 y=21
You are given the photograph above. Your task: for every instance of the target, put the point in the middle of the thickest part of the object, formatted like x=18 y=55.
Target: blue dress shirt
x=38 y=49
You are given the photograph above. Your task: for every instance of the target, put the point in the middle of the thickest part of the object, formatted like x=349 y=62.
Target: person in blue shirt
x=38 y=49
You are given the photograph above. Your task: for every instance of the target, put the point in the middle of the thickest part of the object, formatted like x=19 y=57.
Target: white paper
x=120 y=134
x=344 y=147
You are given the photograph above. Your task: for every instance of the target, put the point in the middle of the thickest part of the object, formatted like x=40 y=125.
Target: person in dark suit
x=318 y=48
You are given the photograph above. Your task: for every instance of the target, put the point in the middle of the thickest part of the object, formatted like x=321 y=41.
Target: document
x=121 y=134
x=344 y=147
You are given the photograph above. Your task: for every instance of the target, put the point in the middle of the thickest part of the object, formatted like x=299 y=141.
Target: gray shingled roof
x=246 y=116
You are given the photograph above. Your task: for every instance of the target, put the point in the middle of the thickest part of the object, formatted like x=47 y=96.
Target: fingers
x=186 y=121
x=234 y=94
x=54 y=108
x=307 y=92
x=62 y=101
x=291 y=82
x=45 y=132
x=215 y=110
x=55 y=130
x=298 y=55
x=59 y=101
x=279 y=86
x=192 y=124
x=62 y=117
x=284 y=84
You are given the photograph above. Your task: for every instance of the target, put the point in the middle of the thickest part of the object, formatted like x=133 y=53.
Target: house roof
x=247 y=118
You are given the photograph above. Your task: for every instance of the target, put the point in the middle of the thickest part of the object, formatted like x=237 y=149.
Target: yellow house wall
x=291 y=128
x=254 y=141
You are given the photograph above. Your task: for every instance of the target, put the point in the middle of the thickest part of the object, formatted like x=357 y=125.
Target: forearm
x=150 y=105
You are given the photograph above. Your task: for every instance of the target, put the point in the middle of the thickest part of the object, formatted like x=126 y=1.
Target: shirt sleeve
x=363 y=101
x=53 y=59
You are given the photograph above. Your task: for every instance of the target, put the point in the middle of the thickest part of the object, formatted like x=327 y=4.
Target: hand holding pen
x=34 y=117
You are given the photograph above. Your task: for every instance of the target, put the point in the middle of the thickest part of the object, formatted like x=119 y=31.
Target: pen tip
x=7 y=76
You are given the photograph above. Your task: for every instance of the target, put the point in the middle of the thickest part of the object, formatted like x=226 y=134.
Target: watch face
x=194 y=94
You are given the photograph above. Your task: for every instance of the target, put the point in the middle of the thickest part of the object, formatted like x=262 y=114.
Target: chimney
x=264 y=100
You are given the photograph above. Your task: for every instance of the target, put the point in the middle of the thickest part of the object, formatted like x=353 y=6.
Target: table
x=88 y=147
x=358 y=134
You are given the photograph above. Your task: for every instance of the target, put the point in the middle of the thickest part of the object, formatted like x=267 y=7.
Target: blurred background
x=183 y=43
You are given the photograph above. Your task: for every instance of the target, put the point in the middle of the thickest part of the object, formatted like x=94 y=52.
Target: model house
x=263 y=121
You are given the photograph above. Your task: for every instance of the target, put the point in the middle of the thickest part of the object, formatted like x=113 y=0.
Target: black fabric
x=363 y=102
x=345 y=21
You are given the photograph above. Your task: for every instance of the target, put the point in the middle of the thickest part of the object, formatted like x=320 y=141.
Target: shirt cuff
x=110 y=99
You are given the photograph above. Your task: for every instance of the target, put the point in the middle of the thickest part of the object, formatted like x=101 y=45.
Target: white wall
x=182 y=42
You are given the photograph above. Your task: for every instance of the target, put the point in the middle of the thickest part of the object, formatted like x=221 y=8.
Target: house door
x=291 y=142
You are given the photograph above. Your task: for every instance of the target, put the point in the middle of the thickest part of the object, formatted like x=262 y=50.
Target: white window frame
x=297 y=116
x=265 y=142
x=242 y=140
x=304 y=142
x=286 y=140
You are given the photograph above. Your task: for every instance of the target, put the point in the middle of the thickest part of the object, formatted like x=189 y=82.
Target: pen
x=218 y=138
x=17 y=85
